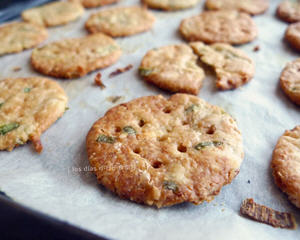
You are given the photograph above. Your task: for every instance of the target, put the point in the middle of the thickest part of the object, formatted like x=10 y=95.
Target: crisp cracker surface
x=292 y=35
x=232 y=66
x=173 y=68
x=121 y=21
x=224 y=26
x=163 y=152
x=253 y=7
x=54 y=13
x=286 y=164
x=289 y=11
x=30 y=106
x=72 y=58
x=18 y=36
x=170 y=5
x=290 y=81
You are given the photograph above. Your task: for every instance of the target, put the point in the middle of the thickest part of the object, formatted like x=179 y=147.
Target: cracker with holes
x=94 y=3
x=173 y=68
x=162 y=152
x=290 y=81
x=253 y=7
x=73 y=58
x=292 y=35
x=289 y=11
x=28 y=107
x=121 y=21
x=226 y=26
x=18 y=36
x=170 y=5
x=286 y=164
x=54 y=13
x=232 y=66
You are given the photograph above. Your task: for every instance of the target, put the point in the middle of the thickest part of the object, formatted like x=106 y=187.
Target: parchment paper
x=53 y=183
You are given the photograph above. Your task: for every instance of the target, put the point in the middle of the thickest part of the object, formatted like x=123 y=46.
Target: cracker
x=173 y=68
x=289 y=11
x=292 y=35
x=94 y=3
x=72 y=58
x=252 y=7
x=226 y=26
x=19 y=36
x=54 y=13
x=290 y=81
x=232 y=66
x=163 y=152
x=121 y=21
x=170 y=5
x=286 y=164
x=28 y=107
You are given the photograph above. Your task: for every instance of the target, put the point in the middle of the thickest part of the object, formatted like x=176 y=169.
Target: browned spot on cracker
x=267 y=215
x=98 y=81
x=121 y=70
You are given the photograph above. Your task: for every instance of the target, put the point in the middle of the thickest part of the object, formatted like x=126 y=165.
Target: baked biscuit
x=290 y=81
x=72 y=58
x=28 y=107
x=163 y=152
x=232 y=66
x=286 y=164
x=173 y=68
x=292 y=35
x=53 y=14
x=170 y=5
x=226 y=26
x=18 y=36
x=253 y=7
x=95 y=3
x=289 y=11
x=121 y=21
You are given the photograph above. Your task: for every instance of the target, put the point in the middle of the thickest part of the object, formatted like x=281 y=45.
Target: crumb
x=98 y=81
x=249 y=181
x=17 y=69
x=256 y=48
x=121 y=70
x=37 y=144
x=267 y=215
x=222 y=209
x=114 y=99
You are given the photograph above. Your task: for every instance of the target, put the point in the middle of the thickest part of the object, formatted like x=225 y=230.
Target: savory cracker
x=290 y=81
x=72 y=58
x=18 y=36
x=226 y=26
x=170 y=5
x=232 y=66
x=292 y=35
x=28 y=107
x=163 y=152
x=286 y=164
x=252 y=7
x=289 y=11
x=95 y=3
x=121 y=21
x=173 y=68
x=54 y=13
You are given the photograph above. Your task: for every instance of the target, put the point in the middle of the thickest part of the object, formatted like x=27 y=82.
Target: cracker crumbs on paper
x=17 y=69
x=267 y=215
x=256 y=48
x=114 y=99
x=121 y=70
x=98 y=81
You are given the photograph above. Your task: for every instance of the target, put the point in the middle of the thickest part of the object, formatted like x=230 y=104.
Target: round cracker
x=121 y=21
x=173 y=68
x=170 y=5
x=290 y=81
x=232 y=66
x=286 y=164
x=226 y=26
x=292 y=35
x=163 y=152
x=72 y=58
x=289 y=11
x=253 y=7
x=54 y=13
x=19 y=36
x=95 y=3
x=28 y=106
